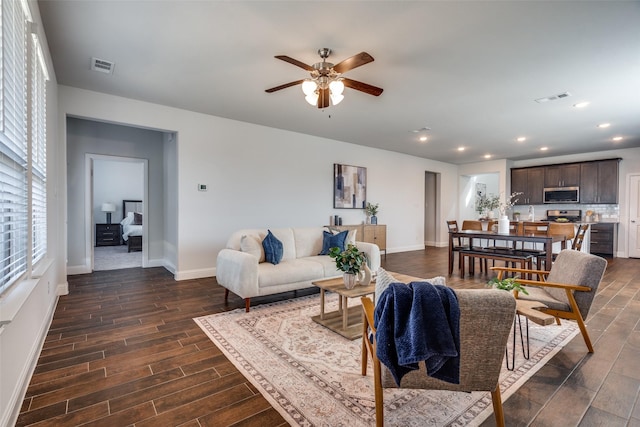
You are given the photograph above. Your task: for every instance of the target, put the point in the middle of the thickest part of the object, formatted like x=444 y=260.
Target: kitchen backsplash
x=607 y=213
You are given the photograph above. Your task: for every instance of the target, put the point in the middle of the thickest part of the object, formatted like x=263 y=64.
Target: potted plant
x=508 y=284
x=372 y=211
x=350 y=261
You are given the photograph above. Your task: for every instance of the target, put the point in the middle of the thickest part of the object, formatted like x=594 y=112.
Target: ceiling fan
x=326 y=83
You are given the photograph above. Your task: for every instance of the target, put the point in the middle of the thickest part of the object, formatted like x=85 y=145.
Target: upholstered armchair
x=486 y=317
x=567 y=289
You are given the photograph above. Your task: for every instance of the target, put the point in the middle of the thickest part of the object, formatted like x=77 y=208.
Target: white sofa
x=241 y=272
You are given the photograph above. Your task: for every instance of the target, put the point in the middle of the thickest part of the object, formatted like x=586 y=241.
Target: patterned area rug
x=311 y=375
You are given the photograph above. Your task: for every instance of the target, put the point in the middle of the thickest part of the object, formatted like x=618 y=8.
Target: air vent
x=553 y=97
x=102 y=65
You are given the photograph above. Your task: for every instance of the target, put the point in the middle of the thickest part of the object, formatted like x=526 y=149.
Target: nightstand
x=108 y=234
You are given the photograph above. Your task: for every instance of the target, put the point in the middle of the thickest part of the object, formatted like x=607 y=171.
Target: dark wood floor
x=123 y=350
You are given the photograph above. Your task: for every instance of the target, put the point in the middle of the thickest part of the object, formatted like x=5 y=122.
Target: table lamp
x=108 y=208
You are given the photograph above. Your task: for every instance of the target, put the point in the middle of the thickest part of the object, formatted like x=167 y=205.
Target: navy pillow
x=273 y=249
x=332 y=240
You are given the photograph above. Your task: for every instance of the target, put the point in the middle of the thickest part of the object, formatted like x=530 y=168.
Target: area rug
x=311 y=375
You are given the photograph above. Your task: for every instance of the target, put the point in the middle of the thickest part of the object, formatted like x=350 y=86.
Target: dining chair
x=536 y=228
x=486 y=317
x=577 y=241
x=452 y=226
x=566 y=229
x=567 y=289
x=469 y=224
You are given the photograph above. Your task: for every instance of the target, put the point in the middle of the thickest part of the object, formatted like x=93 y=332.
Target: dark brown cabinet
x=603 y=238
x=530 y=182
x=599 y=182
x=562 y=175
x=108 y=234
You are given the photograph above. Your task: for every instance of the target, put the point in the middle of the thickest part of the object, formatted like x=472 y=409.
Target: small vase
x=503 y=225
x=349 y=280
x=484 y=225
x=374 y=219
x=364 y=278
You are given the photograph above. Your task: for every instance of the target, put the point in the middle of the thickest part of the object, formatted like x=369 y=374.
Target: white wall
x=264 y=177
x=34 y=301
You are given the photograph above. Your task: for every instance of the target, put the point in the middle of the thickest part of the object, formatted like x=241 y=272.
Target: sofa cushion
x=273 y=248
x=330 y=240
x=253 y=246
x=328 y=265
x=290 y=271
x=308 y=241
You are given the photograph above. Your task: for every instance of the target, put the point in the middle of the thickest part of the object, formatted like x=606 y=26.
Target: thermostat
x=202 y=187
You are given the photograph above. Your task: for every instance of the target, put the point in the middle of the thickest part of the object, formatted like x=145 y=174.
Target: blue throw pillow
x=332 y=240
x=273 y=249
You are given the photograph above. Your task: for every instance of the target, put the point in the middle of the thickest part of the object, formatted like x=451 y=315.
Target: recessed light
x=521 y=139
x=581 y=104
x=604 y=125
x=423 y=138
x=544 y=148
x=460 y=148
x=487 y=156
x=617 y=138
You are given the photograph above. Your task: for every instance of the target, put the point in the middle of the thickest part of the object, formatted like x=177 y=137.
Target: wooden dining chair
x=536 y=228
x=566 y=229
x=469 y=224
x=452 y=226
x=577 y=241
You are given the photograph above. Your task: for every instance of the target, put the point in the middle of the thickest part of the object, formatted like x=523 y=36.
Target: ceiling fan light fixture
x=336 y=87
x=336 y=99
x=312 y=99
x=309 y=87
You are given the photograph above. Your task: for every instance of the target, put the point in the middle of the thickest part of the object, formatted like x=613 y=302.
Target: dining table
x=547 y=240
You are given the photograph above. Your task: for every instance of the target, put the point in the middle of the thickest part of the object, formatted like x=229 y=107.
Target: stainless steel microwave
x=562 y=195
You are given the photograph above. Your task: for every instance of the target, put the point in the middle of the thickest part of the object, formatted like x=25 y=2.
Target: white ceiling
x=470 y=70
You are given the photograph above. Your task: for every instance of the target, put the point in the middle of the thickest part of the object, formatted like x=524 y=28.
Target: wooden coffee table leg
x=345 y=313
x=322 y=304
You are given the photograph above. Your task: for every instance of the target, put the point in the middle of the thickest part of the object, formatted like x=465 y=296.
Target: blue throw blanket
x=419 y=322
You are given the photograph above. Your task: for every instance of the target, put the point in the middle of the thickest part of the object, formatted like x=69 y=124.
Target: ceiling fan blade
x=323 y=98
x=295 y=62
x=362 y=87
x=353 y=62
x=284 y=86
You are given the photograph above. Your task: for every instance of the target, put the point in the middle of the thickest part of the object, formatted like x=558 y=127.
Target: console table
x=369 y=233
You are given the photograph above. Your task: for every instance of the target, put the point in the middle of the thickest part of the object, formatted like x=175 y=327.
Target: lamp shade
x=108 y=207
x=309 y=87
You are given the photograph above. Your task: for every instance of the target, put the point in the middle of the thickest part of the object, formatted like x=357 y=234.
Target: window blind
x=13 y=142
x=38 y=156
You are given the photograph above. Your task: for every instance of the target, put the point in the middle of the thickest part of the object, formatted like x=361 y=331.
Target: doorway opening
x=432 y=218
x=111 y=181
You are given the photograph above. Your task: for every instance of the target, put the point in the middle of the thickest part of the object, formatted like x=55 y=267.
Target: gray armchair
x=567 y=289
x=486 y=317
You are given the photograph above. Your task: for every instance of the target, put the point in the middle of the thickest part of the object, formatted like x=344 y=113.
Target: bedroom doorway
x=114 y=180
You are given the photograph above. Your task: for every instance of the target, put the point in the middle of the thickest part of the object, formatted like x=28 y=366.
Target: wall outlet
x=202 y=187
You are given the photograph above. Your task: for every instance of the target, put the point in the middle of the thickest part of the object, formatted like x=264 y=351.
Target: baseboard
x=62 y=289
x=195 y=274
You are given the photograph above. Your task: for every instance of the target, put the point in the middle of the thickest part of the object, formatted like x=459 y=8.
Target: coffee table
x=347 y=321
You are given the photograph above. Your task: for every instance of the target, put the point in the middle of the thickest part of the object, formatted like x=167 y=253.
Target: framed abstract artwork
x=349 y=187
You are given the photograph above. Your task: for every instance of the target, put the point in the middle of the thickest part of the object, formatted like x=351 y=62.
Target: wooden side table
x=108 y=234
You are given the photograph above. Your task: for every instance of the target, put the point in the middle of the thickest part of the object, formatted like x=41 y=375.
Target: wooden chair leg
x=226 y=295
x=497 y=406
x=377 y=381
x=247 y=304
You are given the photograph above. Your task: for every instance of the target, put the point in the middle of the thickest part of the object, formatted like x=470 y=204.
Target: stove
x=573 y=215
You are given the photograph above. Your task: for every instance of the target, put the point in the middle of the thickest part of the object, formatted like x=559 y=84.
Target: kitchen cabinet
x=599 y=181
x=562 y=175
x=603 y=238
x=530 y=182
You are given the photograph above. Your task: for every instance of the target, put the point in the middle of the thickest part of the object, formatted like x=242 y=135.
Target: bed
x=132 y=224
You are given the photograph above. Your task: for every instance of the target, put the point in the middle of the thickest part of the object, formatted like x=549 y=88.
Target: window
x=23 y=78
